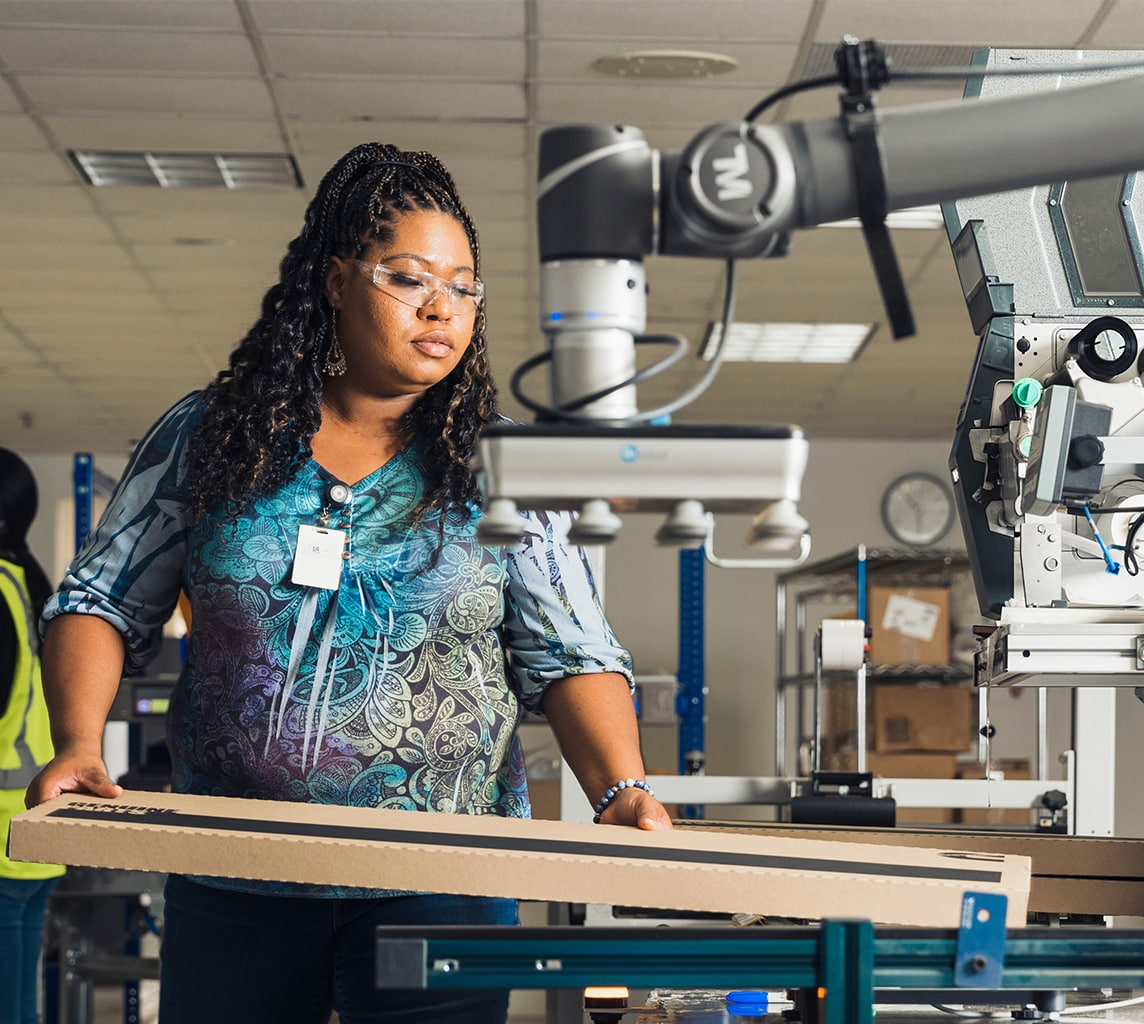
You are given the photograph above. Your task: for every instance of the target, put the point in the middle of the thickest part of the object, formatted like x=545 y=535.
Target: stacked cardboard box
x=909 y=625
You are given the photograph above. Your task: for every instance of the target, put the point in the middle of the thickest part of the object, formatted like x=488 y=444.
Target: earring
x=335 y=364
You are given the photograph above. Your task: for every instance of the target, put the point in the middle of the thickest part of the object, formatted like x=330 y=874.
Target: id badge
x=318 y=558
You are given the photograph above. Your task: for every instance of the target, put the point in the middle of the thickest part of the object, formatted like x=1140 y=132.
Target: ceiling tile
x=148 y=94
x=445 y=17
x=973 y=22
x=19 y=132
x=447 y=139
x=772 y=21
x=644 y=103
x=169 y=133
x=378 y=54
x=130 y=13
x=46 y=50
x=355 y=98
x=1121 y=29
x=22 y=168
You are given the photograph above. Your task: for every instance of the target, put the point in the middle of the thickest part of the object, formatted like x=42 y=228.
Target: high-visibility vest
x=25 y=739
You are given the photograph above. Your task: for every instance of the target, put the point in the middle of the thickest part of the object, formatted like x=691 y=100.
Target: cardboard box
x=909 y=625
x=916 y=766
x=1005 y=768
x=909 y=717
x=779 y=876
x=544 y=795
x=1100 y=875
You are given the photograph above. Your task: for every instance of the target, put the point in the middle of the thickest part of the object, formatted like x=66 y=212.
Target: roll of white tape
x=843 y=644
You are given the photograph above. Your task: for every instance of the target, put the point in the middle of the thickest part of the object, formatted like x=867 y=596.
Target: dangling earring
x=335 y=358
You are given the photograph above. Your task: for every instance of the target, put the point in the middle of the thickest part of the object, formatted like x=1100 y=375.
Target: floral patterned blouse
x=402 y=688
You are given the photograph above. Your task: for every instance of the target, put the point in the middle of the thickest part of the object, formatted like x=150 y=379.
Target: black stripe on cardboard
x=152 y=816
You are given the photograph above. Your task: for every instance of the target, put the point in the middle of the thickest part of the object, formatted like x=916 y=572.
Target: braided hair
x=259 y=415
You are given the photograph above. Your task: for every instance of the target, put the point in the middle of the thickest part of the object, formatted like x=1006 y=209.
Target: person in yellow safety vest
x=25 y=743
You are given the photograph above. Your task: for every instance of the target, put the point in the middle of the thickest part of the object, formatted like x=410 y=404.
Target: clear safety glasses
x=419 y=289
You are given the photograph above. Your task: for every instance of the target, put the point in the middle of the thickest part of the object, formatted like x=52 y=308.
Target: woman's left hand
x=637 y=808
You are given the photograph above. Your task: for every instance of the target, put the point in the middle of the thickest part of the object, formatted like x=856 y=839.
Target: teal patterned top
x=402 y=688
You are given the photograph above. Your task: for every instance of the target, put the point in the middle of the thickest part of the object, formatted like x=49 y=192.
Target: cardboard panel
x=779 y=876
x=1071 y=874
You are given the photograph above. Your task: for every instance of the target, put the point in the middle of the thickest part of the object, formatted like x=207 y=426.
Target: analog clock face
x=917 y=509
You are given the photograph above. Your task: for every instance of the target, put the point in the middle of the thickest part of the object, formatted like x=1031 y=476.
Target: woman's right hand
x=71 y=773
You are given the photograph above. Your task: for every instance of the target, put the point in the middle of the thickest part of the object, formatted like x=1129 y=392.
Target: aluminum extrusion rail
x=844 y=960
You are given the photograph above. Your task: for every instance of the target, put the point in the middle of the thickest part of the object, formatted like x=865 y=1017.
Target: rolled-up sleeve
x=129 y=570
x=554 y=623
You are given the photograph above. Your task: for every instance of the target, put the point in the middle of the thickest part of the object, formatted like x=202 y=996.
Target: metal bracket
x=980 y=958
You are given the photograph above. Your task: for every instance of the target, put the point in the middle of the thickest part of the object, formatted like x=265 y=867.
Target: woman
x=351 y=641
x=24 y=742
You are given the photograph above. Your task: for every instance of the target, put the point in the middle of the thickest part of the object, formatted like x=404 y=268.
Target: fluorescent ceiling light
x=788 y=343
x=187 y=170
x=911 y=217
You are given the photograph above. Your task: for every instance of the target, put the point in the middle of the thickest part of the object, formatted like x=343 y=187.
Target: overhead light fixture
x=920 y=217
x=186 y=170
x=666 y=64
x=788 y=342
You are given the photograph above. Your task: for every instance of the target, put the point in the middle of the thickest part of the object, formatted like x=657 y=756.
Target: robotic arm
x=607 y=200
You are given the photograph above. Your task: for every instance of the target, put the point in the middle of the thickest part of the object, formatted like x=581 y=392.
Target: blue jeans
x=23 y=905
x=232 y=956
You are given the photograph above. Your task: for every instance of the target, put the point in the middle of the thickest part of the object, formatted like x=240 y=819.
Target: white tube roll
x=843 y=644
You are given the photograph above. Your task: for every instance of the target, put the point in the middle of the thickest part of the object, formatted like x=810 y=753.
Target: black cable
x=578 y=403
x=790 y=90
x=730 y=293
x=1131 y=566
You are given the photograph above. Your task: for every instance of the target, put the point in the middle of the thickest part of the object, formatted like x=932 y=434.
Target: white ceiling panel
x=380 y=53
x=78 y=230
x=23 y=168
x=677 y=21
x=972 y=22
x=9 y=101
x=644 y=103
x=168 y=133
x=1121 y=28
x=112 y=49
x=448 y=139
x=67 y=199
x=19 y=132
x=445 y=17
x=63 y=259
x=355 y=98
x=253 y=204
x=164 y=13
x=148 y=94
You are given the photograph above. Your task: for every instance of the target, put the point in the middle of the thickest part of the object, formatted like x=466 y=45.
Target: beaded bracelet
x=610 y=795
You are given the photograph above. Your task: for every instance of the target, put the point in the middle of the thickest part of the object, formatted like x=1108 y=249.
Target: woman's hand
x=71 y=773
x=637 y=808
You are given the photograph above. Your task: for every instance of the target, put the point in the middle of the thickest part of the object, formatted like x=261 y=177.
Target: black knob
x=1085 y=451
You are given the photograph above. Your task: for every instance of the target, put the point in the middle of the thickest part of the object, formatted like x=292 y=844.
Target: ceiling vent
x=186 y=170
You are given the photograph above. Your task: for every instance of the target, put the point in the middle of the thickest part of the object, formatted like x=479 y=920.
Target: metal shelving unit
x=842 y=582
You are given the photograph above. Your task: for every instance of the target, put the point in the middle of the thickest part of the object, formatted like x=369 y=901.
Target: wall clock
x=917 y=509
